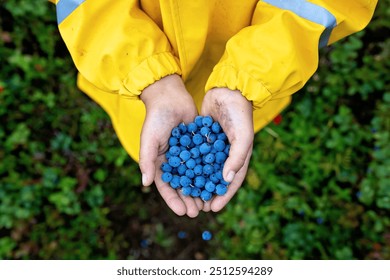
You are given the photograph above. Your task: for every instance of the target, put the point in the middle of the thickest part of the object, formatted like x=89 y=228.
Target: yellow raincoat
x=266 y=49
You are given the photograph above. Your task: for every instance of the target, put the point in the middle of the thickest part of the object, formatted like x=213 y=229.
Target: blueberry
x=218 y=174
x=168 y=155
x=223 y=182
x=208 y=169
x=219 y=145
x=174 y=161
x=195 y=152
x=227 y=149
x=222 y=136
x=173 y=141
x=220 y=157
x=216 y=127
x=217 y=166
x=197 y=139
x=220 y=189
x=207 y=121
x=211 y=138
x=205 y=148
x=209 y=186
x=206 y=235
x=205 y=195
x=198 y=169
x=213 y=178
x=182 y=234
x=185 y=140
x=176 y=132
x=199 y=181
x=174 y=150
x=198 y=121
x=209 y=158
x=191 y=163
x=192 y=127
x=175 y=182
x=186 y=191
x=185 y=155
x=165 y=167
x=190 y=173
x=185 y=181
x=182 y=128
x=166 y=177
x=195 y=192
x=204 y=131
x=181 y=170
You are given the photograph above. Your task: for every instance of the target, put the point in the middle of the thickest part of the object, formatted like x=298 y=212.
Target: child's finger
x=148 y=155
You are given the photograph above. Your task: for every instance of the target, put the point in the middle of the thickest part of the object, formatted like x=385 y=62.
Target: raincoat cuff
x=149 y=71
x=229 y=77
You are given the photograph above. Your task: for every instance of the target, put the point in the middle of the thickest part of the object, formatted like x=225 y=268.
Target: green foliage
x=318 y=185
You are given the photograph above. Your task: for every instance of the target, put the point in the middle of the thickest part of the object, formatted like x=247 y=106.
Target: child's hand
x=234 y=113
x=167 y=104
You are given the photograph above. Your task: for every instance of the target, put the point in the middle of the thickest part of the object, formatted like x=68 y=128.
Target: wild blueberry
x=206 y=235
x=207 y=121
x=181 y=169
x=176 y=132
x=220 y=189
x=166 y=177
x=197 y=139
x=204 y=131
x=205 y=148
x=195 y=152
x=198 y=121
x=209 y=158
x=186 y=191
x=211 y=138
x=165 y=167
x=198 y=169
x=185 y=155
x=183 y=128
x=220 y=157
x=199 y=181
x=175 y=182
x=173 y=141
x=219 y=145
x=190 y=173
x=208 y=169
x=195 y=192
x=185 y=140
x=185 y=181
x=209 y=186
x=191 y=163
x=192 y=127
x=205 y=195
x=222 y=136
x=174 y=150
x=216 y=127
x=174 y=161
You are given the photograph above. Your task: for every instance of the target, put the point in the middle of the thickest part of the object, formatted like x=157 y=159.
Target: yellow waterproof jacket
x=266 y=49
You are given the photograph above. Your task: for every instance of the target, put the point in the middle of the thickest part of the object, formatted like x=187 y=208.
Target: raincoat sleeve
x=116 y=47
x=276 y=55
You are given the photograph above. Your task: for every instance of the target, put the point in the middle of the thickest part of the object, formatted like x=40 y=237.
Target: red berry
x=278 y=119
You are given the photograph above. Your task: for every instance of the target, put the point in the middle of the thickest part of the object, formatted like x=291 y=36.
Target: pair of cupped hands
x=168 y=104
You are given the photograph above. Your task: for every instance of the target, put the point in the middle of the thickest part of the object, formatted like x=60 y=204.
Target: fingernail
x=144 y=179
x=230 y=176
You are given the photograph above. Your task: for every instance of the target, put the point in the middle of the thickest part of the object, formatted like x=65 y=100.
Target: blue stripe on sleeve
x=66 y=7
x=310 y=12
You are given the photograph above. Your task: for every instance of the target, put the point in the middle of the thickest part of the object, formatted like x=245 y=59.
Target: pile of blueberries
x=195 y=159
